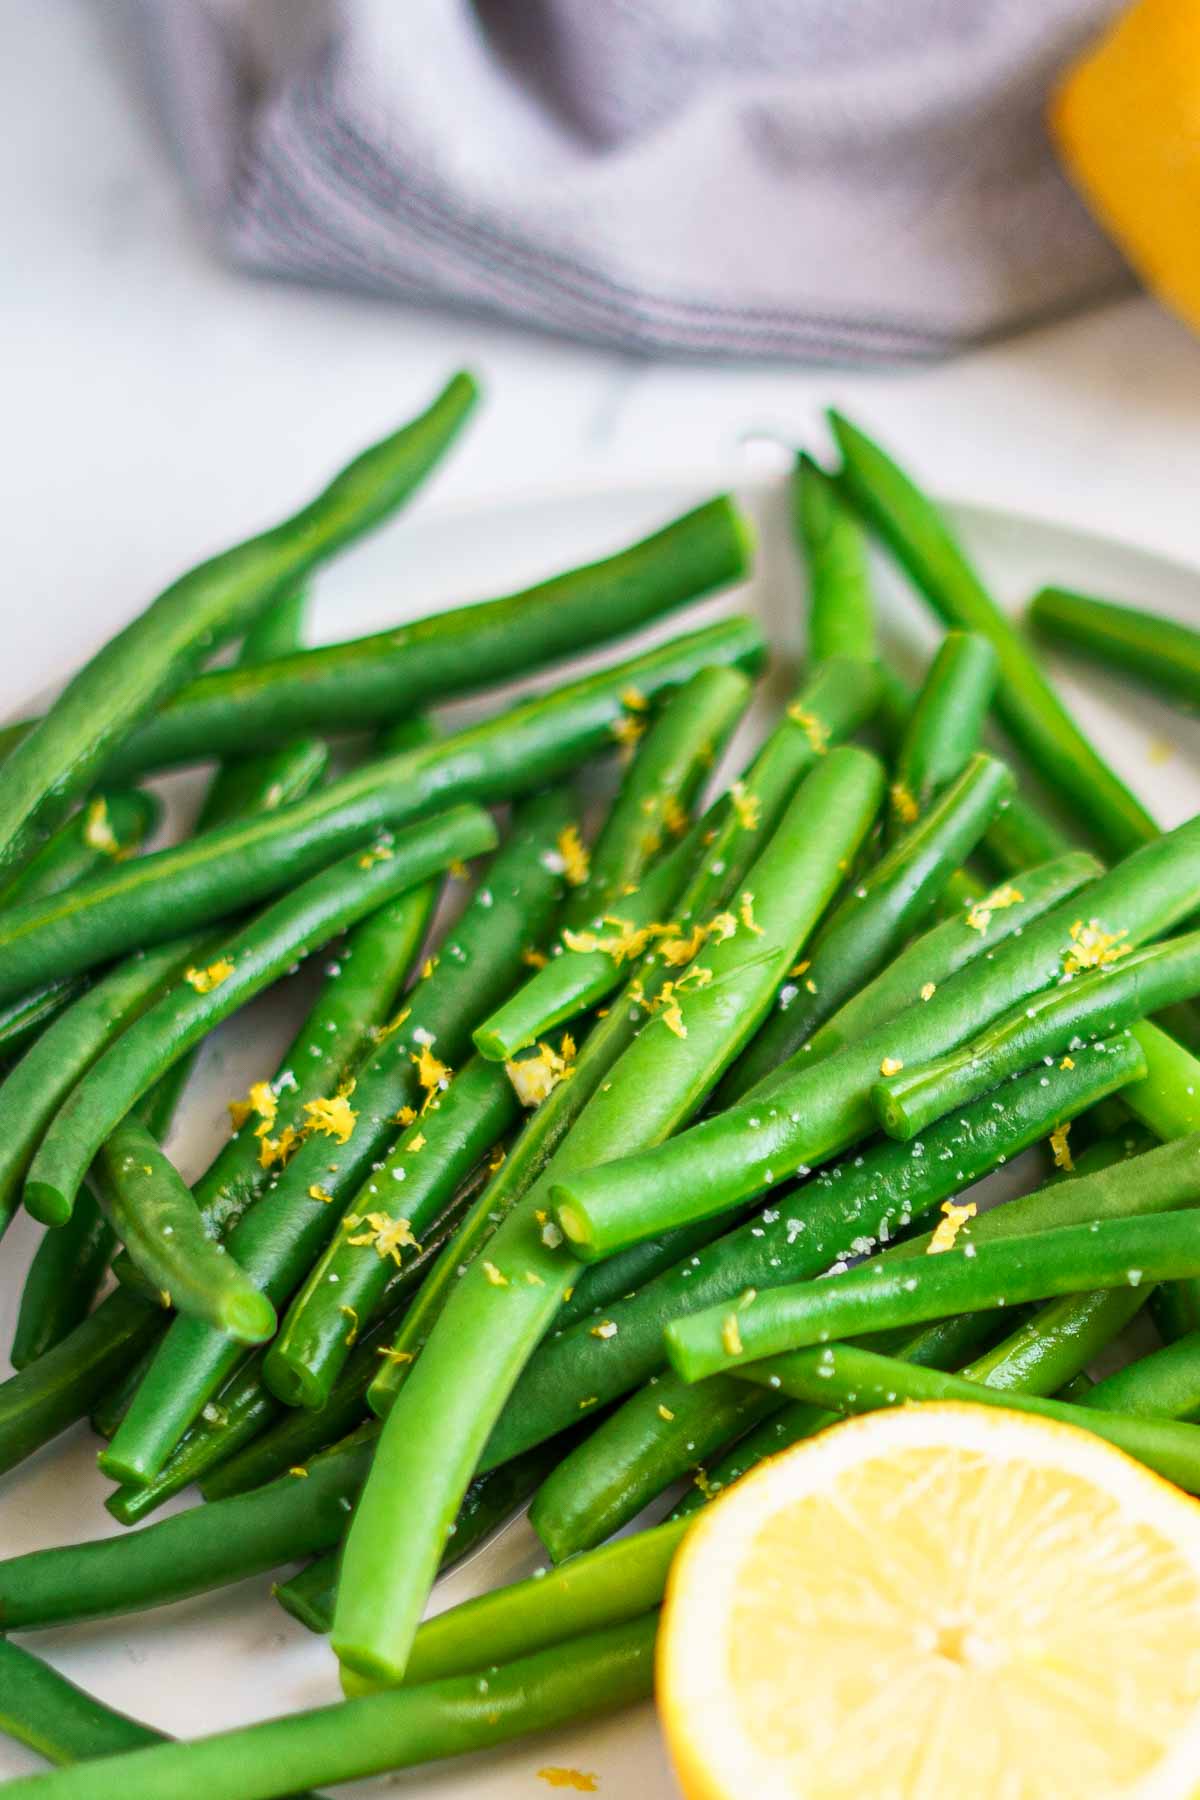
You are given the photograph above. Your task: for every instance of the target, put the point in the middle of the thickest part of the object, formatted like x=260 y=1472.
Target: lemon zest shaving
x=277 y=1150
x=386 y=1236
x=1093 y=948
x=205 y=980
x=98 y=833
x=332 y=1114
x=731 y=1337
x=1060 y=1150
x=574 y=855
x=814 y=729
x=891 y=1065
x=954 y=1217
x=746 y=915
x=534 y=1077
x=979 y=917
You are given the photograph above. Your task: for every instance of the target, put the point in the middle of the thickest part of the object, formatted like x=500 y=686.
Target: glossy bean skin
x=944 y=728
x=841 y=609
x=880 y=912
x=154 y=654
x=850 y=1209
x=248 y=961
x=922 y=542
x=875 y=1297
x=1090 y=1007
x=1165 y=1384
x=43 y=1710
x=110 y=825
x=278 y=1239
x=436 y=1430
x=597 y=1673
x=64 y=1278
x=800 y=1116
x=1161 y=652
x=374 y=680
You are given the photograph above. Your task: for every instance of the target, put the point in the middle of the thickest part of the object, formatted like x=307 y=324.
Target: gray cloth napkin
x=839 y=180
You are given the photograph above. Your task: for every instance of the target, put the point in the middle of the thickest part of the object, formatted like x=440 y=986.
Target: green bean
x=393 y=1206
x=1038 y=722
x=372 y=680
x=506 y=1301
x=802 y=1115
x=876 y=917
x=602 y=1671
x=1104 y=1254
x=841 y=611
x=23 y=1020
x=155 y=653
x=43 y=1710
x=673 y=761
x=1089 y=1007
x=60 y=1387
x=1163 y=1385
x=487 y=1504
x=1060 y=1339
x=1167 y=1098
x=1162 y=652
x=1021 y=837
x=110 y=825
x=854 y=1380
x=847 y=1211
x=152 y=1211
x=251 y=960
x=65 y=1276
x=837 y=699
x=278 y=1239
x=946 y=723
x=230 y=868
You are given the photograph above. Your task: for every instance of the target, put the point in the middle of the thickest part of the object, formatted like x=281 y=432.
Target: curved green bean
x=43 y=1710
x=1165 y=1384
x=945 y=726
x=918 y=536
x=153 y=655
x=1162 y=652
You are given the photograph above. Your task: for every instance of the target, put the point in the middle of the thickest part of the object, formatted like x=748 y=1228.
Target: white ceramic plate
x=232 y=1657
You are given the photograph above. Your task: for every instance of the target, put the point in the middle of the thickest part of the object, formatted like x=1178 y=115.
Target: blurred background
x=245 y=236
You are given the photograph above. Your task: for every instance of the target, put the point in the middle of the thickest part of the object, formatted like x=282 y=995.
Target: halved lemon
x=938 y=1603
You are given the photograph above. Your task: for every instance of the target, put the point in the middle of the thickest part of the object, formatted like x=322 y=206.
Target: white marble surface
x=159 y=404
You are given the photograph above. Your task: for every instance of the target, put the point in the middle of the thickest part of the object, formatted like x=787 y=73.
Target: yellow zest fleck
x=1060 y=1150
x=300 y=1473
x=623 y=944
x=205 y=980
x=698 y=976
x=810 y=984
x=606 y=1329
x=406 y=1115
x=704 y=1484
x=394 y=1356
x=574 y=855
x=891 y=1065
x=1068 y=1062
x=386 y=1235
x=332 y=1114
x=670 y=1011
x=432 y=1074
x=348 y=1312
x=533 y=1279
x=731 y=1337
x=591 y=1400
x=801 y=967
x=903 y=804
x=627 y=730
x=277 y=1150
x=458 y=870
x=567 y=1293
x=954 y=1217
x=533 y=1077
x=418 y=1143
x=318 y=1193
x=980 y=915
x=721 y=926
x=665 y=1413
x=496 y=1159
x=533 y=958
x=377 y=854
x=1093 y=948
x=813 y=728
x=98 y=834
x=675 y=816
x=747 y=806
x=569 y=1778
x=494 y=1276
x=260 y=1099
x=428 y=966
x=634 y=699
x=929 y=990
x=679 y=950
x=380 y=1032
x=746 y=915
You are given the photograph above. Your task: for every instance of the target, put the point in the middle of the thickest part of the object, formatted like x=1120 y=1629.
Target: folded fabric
x=839 y=180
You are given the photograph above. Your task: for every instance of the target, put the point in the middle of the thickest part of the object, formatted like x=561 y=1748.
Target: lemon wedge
x=936 y=1602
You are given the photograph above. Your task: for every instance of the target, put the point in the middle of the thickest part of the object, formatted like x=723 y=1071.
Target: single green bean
x=43 y=1710
x=1053 y=1346
x=841 y=610
x=918 y=536
x=1022 y=837
x=109 y=825
x=853 y=1380
x=946 y=724
x=23 y=1020
x=252 y=959
x=379 y=1732
x=1089 y=1007
x=506 y=1302
x=846 y=1211
x=537 y=741
x=1164 y=653
x=1162 y=1385
x=279 y=1237
x=65 y=1276
x=372 y=680
x=152 y=656
x=877 y=1297
x=802 y=1115
x=876 y=917
x=833 y=703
